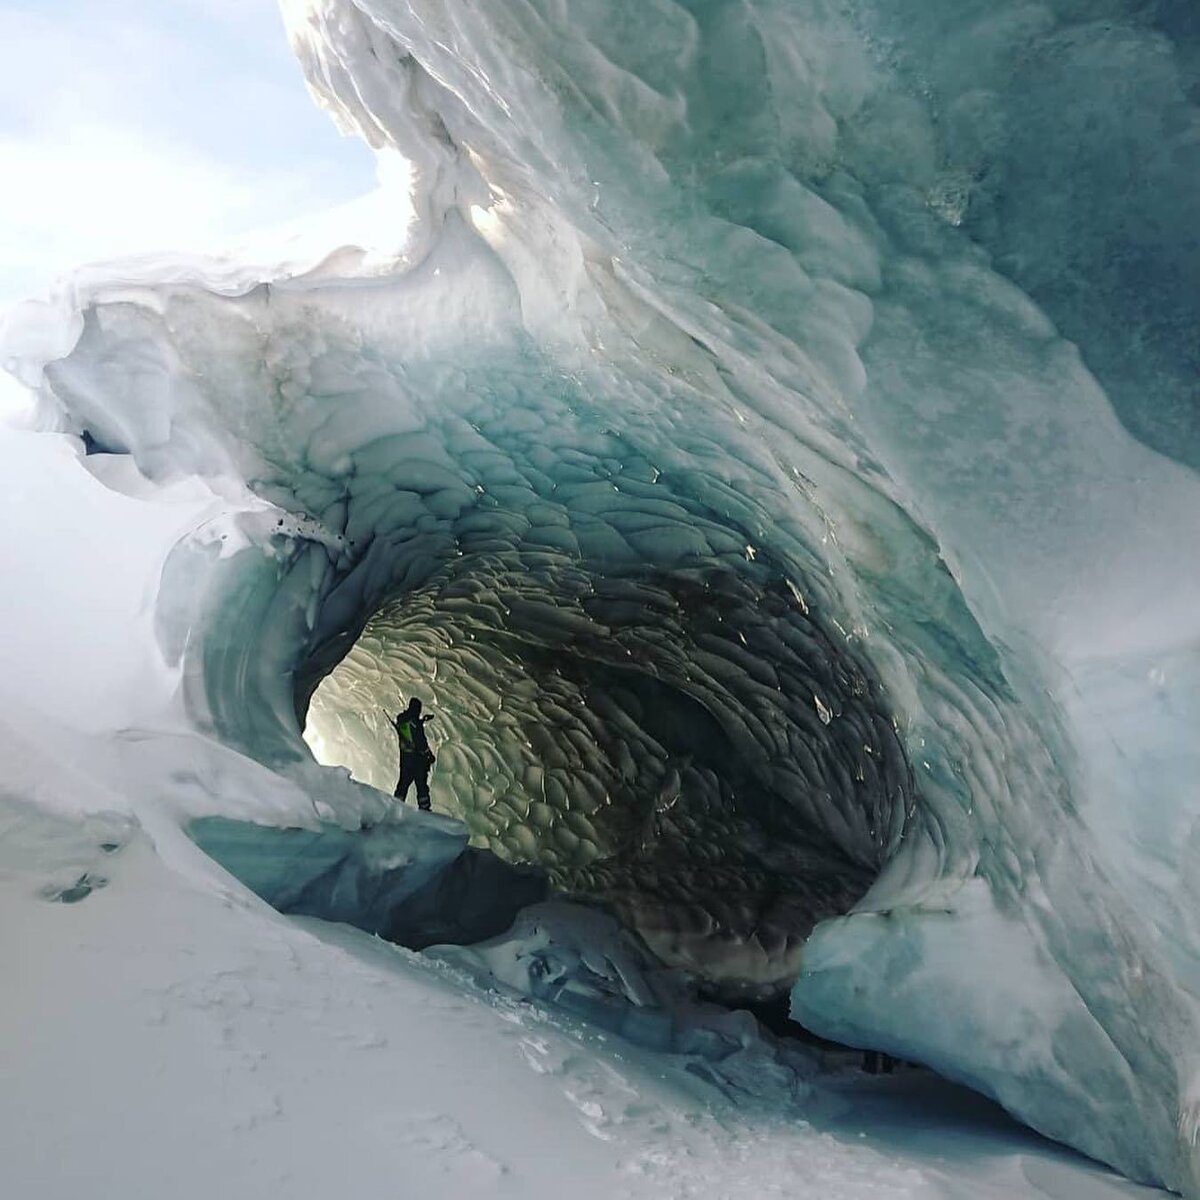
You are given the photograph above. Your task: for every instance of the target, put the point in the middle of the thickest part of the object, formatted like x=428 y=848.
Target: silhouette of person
x=415 y=755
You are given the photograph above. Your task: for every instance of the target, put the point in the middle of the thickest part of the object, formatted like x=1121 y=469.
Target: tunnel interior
x=682 y=739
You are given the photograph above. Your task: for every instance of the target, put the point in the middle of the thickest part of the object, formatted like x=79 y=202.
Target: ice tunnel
x=774 y=414
x=663 y=736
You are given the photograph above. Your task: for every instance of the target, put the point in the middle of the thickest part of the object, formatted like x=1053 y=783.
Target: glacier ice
x=714 y=457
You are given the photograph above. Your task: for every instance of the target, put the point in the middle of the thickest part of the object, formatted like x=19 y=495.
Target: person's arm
x=424 y=745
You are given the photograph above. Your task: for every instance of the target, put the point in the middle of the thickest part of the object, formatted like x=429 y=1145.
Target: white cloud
x=93 y=191
x=131 y=126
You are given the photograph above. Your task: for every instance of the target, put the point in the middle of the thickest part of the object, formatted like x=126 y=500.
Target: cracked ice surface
x=706 y=459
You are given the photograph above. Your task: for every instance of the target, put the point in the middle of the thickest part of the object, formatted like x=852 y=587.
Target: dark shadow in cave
x=358 y=878
x=377 y=879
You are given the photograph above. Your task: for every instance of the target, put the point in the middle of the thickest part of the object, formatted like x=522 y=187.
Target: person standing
x=415 y=755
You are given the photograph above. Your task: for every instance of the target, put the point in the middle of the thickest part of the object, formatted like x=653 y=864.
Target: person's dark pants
x=414 y=768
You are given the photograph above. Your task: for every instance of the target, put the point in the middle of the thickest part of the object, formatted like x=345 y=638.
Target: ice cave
x=765 y=434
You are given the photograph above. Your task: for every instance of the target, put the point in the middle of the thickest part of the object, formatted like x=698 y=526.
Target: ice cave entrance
x=686 y=750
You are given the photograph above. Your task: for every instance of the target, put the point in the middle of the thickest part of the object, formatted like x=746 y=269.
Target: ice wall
x=714 y=456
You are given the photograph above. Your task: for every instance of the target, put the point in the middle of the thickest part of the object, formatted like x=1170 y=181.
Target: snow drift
x=714 y=458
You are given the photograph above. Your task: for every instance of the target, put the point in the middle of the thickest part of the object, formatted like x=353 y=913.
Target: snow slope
x=177 y=1037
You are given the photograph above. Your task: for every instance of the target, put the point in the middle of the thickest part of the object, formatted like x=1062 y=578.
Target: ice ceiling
x=716 y=463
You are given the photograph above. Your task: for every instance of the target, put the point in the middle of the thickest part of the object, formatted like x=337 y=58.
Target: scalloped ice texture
x=736 y=514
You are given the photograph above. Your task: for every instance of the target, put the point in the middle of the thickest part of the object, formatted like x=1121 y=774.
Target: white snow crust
x=791 y=514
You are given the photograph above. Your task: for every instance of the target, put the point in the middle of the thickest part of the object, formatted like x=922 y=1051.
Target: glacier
x=768 y=441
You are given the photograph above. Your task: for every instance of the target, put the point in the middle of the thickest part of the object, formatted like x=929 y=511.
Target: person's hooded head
x=414 y=708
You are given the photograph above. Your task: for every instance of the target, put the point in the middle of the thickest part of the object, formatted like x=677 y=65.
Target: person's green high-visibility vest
x=408 y=741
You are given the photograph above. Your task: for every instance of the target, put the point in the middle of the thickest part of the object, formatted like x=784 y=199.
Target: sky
x=131 y=126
